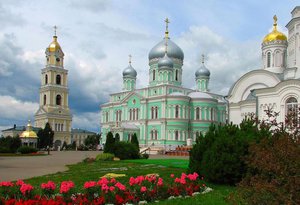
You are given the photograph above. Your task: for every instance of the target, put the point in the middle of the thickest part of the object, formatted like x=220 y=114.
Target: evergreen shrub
x=27 y=150
x=126 y=150
x=109 y=144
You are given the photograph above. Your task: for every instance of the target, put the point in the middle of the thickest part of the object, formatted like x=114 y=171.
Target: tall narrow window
x=133 y=114
x=137 y=114
x=58 y=79
x=176 y=135
x=152 y=112
x=156 y=112
x=45 y=99
x=58 y=100
x=151 y=134
x=117 y=116
x=153 y=74
x=106 y=116
x=176 y=111
x=268 y=59
x=46 y=79
x=120 y=115
x=292 y=110
x=176 y=75
x=197 y=113
x=130 y=114
x=155 y=134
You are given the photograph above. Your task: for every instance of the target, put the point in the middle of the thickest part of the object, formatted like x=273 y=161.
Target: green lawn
x=82 y=172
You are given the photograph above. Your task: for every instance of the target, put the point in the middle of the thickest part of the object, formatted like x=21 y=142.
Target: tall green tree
x=92 y=141
x=45 y=136
x=110 y=143
x=134 y=140
x=117 y=137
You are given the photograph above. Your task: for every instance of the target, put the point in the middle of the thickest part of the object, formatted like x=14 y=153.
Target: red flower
x=26 y=188
x=6 y=184
x=66 y=186
x=143 y=189
x=89 y=184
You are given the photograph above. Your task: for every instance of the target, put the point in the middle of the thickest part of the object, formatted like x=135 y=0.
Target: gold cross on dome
x=55 y=28
x=167 y=26
x=275 y=19
x=130 y=56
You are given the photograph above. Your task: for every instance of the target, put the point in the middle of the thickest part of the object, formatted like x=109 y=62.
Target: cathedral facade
x=54 y=94
x=276 y=85
x=163 y=113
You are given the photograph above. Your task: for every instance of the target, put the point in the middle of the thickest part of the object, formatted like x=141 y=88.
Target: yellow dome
x=28 y=133
x=54 y=46
x=274 y=35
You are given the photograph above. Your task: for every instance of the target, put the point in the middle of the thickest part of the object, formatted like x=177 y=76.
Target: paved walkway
x=14 y=168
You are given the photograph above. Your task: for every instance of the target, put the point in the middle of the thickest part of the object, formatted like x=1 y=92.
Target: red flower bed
x=104 y=191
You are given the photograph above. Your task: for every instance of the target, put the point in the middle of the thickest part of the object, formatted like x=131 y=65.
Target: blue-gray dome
x=129 y=72
x=158 y=51
x=165 y=62
x=202 y=71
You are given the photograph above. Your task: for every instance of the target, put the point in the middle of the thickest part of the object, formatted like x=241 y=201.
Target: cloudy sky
x=97 y=36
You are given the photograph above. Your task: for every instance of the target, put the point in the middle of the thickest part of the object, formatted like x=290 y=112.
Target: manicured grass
x=176 y=163
x=82 y=172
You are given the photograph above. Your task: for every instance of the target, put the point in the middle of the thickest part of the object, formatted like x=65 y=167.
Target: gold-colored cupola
x=275 y=34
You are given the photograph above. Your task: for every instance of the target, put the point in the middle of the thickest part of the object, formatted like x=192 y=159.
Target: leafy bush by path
x=274 y=166
x=105 y=157
x=27 y=150
x=9 y=144
x=219 y=155
x=126 y=150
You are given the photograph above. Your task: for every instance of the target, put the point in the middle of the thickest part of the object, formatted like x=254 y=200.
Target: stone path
x=14 y=168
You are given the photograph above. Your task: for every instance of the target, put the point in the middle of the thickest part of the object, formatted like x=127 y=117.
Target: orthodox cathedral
x=164 y=113
x=276 y=85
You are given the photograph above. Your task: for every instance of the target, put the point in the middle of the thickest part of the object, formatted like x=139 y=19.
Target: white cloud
x=87 y=120
x=12 y=108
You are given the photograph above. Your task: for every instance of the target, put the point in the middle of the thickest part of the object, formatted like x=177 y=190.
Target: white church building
x=276 y=84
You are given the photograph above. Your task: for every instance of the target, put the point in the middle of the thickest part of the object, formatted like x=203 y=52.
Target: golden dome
x=54 y=46
x=28 y=133
x=274 y=35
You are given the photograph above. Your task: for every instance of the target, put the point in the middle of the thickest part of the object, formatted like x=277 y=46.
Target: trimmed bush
x=145 y=156
x=105 y=157
x=27 y=150
x=4 y=150
x=220 y=154
x=109 y=144
x=134 y=140
x=125 y=150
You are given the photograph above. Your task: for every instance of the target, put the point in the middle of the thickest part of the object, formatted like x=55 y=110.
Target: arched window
x=268 y=59
x=292 y=106
x=137 y=114
x=46 y=79
x=45 y=99
x=120 y=115
x=155 y=134
x=156 y=112
x=197 y=113
x=176 y=111
x=58 y=79
x=176 y=75
x=176 y=135
x=58 y=100
x=153 y=74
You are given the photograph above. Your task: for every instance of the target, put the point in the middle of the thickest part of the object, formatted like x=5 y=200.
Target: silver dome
x=129 y=72
x=202 y=71
x=165 y=62
x=158 y=51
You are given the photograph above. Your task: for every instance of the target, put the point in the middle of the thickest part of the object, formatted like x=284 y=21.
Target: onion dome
x=202 y=71
x=165 y=62
x=274 y=35
x=28 y=133
x=158 y=51
x=54 y=45
x=129 y=71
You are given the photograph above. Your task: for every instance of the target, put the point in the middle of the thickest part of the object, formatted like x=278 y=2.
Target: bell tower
x=54 y=94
